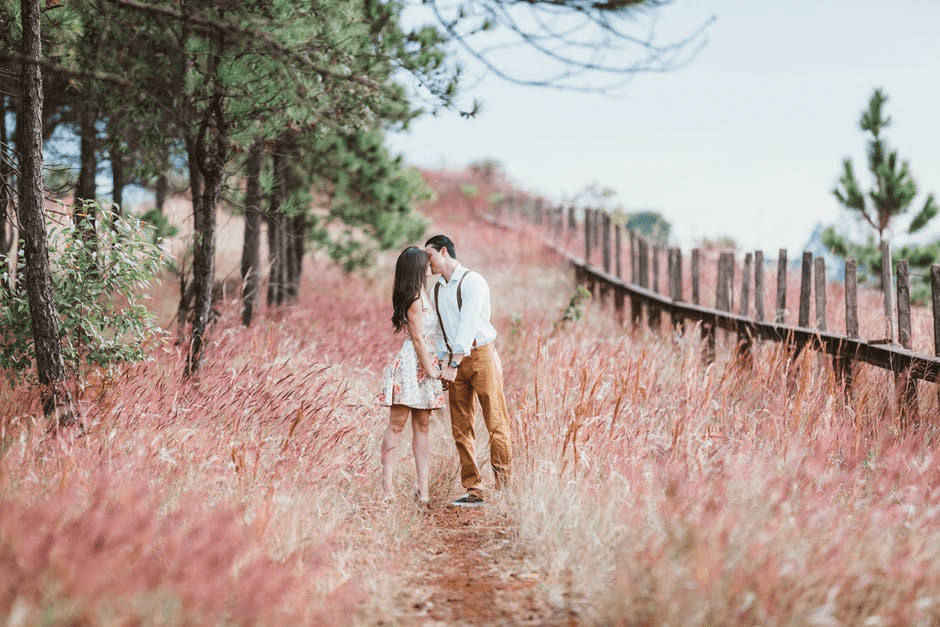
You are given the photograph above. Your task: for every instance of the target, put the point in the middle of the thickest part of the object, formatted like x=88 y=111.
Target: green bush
x=99 y=275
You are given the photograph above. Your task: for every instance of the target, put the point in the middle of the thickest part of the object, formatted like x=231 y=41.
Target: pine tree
x=891 y=195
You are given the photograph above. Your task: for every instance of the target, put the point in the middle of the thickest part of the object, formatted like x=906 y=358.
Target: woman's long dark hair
x=410 y=276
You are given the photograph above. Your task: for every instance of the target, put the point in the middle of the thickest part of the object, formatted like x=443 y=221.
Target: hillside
x=648 y=488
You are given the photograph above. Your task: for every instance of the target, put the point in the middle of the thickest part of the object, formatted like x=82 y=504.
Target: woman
x=412 y=383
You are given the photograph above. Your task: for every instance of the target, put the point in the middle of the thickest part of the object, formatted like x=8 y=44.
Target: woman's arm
x=416 y=329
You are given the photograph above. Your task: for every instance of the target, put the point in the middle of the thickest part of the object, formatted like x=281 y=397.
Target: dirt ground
x=466 y=573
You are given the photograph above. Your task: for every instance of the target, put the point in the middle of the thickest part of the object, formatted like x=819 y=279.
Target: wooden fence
x=560 y=229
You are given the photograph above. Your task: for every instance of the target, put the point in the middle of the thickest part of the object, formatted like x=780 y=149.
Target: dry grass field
x=648 y=487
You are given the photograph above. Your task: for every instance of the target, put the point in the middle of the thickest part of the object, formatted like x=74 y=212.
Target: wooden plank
x=904 y=304
x=746 y=284
x=618 y=247
x=886 y=290
x=759 y=285
x=851 y=298
x=819 y=291
x=781 y=286
x=643 y=262
x=605 y=241
x=675 y=285
x=935 y=298
x=587 y=236
x=725 y=278
x=843 y=365
x=634 y=273
x=696 y=257
x=907 y=399
x=806 y=269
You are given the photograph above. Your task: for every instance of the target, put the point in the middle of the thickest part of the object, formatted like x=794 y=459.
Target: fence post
x=636 y=307
x=597 y=228
x=746 y=284
x=907 y=400
x=654 y=312
x=744 y=335
x=605 y=244
x=605 y=252
x=723 y=295
x=781 y=286
x=587 y=236
x=886 y=290
x=935 y=299
x=675 y=287
x=696 y=258
x=843 y=363
x=805 y=288
x=572 y=222
x=618 y=246
x=642 y=250
x=618 y=293
x=819 y=290
x=759 y=285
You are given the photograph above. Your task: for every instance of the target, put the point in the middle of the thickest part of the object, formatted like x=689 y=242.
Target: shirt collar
x=459 y=271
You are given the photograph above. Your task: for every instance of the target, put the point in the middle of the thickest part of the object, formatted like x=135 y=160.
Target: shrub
x=99 y=273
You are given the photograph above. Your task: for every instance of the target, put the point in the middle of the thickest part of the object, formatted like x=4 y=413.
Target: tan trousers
x=480 y=376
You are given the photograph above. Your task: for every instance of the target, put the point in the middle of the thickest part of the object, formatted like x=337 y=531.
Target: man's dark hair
x=442 y=241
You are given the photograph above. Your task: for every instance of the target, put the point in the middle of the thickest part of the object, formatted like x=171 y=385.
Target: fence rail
x=846 y=350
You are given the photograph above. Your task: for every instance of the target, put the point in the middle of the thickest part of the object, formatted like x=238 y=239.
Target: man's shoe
x=468 y=500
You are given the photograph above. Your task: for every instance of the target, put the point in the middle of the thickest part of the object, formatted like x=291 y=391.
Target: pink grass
x=650 y=488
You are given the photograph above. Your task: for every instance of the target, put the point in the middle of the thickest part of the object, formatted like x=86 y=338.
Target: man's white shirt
x=472 y=321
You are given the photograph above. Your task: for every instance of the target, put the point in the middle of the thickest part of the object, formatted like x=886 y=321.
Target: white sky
x=747 y=141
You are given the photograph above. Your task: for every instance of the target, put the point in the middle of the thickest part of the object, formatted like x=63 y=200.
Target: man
x=471 y=366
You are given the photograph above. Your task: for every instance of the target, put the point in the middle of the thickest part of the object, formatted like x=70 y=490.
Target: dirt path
x=472 y=574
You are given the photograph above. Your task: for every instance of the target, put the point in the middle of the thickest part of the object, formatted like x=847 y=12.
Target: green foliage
x=894 y=188
x=468 y=190
x=488 y=169
x=575 y=308
x=161 y=226
x=891 y=196
x=98 y=283
x=652 y=224
x=371 y=192
x=720 y=242
x=868 y=256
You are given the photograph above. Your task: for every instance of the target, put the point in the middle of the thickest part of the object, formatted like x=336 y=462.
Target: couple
x=448 y=341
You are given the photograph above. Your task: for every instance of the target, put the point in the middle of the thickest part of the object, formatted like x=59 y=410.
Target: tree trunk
x=56 y=398
x=276 y=231
x=118 y=176
x=207 y=157
x=295 y=262
x=251 y=251
x=204 y=205
x=7 y=232
x=86 y=190
x=160 y=190
x=6 y=199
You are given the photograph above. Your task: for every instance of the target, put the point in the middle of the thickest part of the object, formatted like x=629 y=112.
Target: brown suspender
x=437 y=289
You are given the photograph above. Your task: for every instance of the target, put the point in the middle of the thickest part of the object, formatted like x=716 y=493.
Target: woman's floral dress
x=406 y=382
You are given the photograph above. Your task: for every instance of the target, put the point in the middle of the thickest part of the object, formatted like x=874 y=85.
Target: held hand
x=448 y=374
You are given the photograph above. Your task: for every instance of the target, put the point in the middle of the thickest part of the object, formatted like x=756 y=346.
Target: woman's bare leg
x=421 y=445
x=397 y=416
